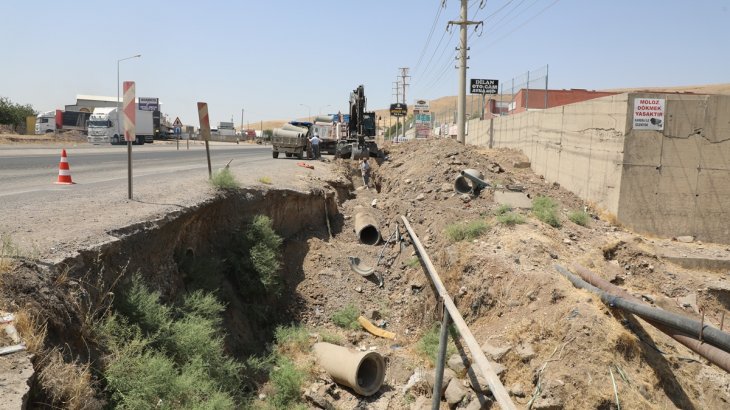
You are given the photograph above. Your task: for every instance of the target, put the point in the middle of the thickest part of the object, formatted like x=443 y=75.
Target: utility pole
x=241 y=121
x=404 y=75
x=461 y=106
x=396 y=88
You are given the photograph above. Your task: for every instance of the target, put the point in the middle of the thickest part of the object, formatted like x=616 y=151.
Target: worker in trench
x=365 y=170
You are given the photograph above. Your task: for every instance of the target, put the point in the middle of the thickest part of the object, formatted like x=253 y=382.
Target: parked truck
x=329 y=133
x=291 y=139
x=58 y=120
x=105 y=127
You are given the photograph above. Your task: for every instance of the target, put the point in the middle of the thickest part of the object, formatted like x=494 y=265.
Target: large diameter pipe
x=290 y=127
x=363 y=372
x=465 y=185
x=709 y=352
x=683 y=324
x=495 y=385
x=367 y=229
x=280 y=132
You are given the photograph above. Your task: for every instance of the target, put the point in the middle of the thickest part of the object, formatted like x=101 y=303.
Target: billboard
x=483 y=86
x=148 y=104
x=398 y=110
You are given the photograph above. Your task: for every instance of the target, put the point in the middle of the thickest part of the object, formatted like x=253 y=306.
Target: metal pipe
x=683 y=324
x=364 y=372
x=495 y=385
x=709 y=352
x=443 y=342
x=367 y=229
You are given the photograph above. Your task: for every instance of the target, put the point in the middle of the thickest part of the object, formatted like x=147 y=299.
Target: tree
x=14 y=114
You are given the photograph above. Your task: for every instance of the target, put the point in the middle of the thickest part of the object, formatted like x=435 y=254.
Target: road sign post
x=205 y=131
x=177 y=125
x=130 y=112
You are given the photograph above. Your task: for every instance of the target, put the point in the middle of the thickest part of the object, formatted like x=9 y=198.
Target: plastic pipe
x=683 y=324
x=720 y=358
x=367 y=229
x=363 y=372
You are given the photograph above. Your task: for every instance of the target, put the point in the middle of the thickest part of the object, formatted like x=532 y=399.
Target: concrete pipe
x=363 y=372
x=367 y=229
x=464 y=185
x=290 y=127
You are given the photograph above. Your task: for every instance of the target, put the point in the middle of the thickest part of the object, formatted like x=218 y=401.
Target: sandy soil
x=562 y=344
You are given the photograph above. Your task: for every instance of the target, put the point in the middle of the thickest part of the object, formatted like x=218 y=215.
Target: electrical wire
x=520 y=26
x=430 y=35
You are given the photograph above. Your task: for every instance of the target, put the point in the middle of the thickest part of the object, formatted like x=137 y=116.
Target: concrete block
x=713 y=197
x=714 y=155
x=717 y=118
x=515 y=199
x=637 y=203
x=681 y=152
x=643 y=148
x=684 y=114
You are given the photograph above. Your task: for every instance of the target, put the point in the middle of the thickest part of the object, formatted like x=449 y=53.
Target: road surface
x=51 y=221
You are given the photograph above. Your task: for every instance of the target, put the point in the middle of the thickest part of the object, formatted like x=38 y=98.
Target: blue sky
x=281 y=59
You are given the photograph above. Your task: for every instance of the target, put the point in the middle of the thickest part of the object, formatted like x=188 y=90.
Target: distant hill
x=722 y=88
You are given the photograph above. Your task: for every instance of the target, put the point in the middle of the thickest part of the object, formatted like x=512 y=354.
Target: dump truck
x=291 y=139
x=359 y=141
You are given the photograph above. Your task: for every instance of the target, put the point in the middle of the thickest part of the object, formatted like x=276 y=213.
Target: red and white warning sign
x=204 y=120
x=649 y=114
x=130 y=111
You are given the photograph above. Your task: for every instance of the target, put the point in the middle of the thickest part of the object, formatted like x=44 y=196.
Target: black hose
x=683 y=324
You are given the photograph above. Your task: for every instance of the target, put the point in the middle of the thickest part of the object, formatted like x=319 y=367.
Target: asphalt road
x=28 y=170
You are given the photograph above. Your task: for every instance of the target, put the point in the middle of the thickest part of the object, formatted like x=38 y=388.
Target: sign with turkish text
x=149 y=104
x=421 y=105
x=398 y=110
x=483 y=86
x=649 y=114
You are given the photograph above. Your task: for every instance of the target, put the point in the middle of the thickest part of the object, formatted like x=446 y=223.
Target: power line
x=430 y=35
x=520 y=26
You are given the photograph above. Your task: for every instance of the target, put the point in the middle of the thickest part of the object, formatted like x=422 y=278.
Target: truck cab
x=104 y=127
x=45 y=122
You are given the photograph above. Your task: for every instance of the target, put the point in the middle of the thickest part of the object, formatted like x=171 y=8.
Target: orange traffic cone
x=64 y=173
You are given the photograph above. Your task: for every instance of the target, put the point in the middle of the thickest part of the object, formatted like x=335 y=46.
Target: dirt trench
x=174 y=255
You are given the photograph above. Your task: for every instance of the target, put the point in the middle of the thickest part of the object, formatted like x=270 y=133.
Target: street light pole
x=309 y=111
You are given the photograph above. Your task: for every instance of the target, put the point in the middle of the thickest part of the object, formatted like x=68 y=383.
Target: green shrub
x=291 y=338
x=347 y=317
x=510 y=219
x=169 y=356
x=428 y=344
x=265 y=251
x=579 y=217
x=503 y=209
x=330 y=337
x=466 y=231
x=546 y=210
x=287 y=380
x=223 y=179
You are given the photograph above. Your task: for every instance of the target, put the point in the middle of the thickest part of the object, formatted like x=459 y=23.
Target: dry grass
x=31 y=329
x=8 y=253
x=69 y=385
x=628 y=345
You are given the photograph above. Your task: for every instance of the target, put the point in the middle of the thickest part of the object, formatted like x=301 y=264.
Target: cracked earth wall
x=667 y=183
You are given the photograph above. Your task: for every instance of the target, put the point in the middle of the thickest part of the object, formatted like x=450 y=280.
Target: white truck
x=45 y=122
x=105 y=127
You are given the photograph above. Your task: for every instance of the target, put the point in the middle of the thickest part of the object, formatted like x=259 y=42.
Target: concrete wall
x=580 y=146
x=668 y=183
x=677 y=181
